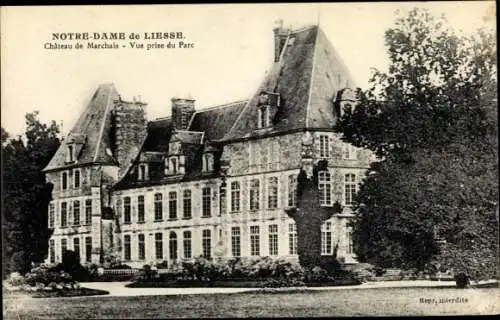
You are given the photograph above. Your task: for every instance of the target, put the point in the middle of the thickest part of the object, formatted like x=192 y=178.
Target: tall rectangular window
x=254 y=194
x=292 y=238
x=272 y=198
x=349 y=152
x=350 y=245
x=127 y=250
x=325 y=188
x=206 y=243
x=158 y=206
x=64 y=214
x=236 y=241
x=324 y=150
x=76 y=178
x=172 y=205
x=350 y=188
x=292 y=190
x=76 y=247
x=64 y=247
x=326 y=238
x=64 y=182
x=88 y=249
x=52 y=251
x=140 y=209
x=51 y=215
x=76 y=213
x=187 y=244
x=273 y=240
x=172 y=245
x=159 y=245
x=254 y=241
x=127 y=216
x=235 y=196
x=88 y=211
x=206 y=202
x=141 y=246
x=186 y=204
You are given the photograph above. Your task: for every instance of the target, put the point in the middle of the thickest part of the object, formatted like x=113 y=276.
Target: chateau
x=210 y=181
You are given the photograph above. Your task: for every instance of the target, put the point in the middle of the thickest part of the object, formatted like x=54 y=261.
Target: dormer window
x=267 y=104
x=173 y=165
x=207 y=162
x=71 y=153
x=263 y=117
x=143 y=172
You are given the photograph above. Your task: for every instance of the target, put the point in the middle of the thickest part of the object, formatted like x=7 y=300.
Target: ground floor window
x=172 y=245
x=207 y=243
x=326 y=238
x=273 y=240
x=88 y=249
x=127 y=252
x=76 y=247
x=159 y=245
x=254 y=241
x=52 y=251
x=292 y=238
x=236 y=241
x=187 y=244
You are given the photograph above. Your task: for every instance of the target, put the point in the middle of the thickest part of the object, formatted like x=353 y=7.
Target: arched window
x=172 y=245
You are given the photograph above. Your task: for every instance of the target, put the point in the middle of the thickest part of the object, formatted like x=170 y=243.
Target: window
x=187 y=244
x=349 y=152
x=76 y=178
x=272 y=198
x=126 y=210
x=52 y=251
x=172 y=245
x=292 y=190
x=254 y=194
x=140 y=209
x=143 y=172
x=186 y=204
x=51 y=215
x=76 y=247
x=88 y=211
x=88 y=249
x=206 y=202
x=324 y=150
x=326 y=238
x=76 y=213
x=64 y=247
x=350 y=246
x=292 y=238
x=263 y=115
x=273 y=240
x=173 y=165
x=172 y=205
x=235 y=196
x=64 y=180
x=350 y=188
x=127 y=252
x=207 y=162
x=236 y=241
x=64 y=215
x=325 y=188
x=206 y=243
x=158 y=207
x=254 y=241
x=70 y=154
x=141 y=246
x=159 y=245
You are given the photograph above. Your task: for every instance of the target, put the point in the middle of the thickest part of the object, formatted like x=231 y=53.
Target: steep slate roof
x=308 y=75
x=189 y=137
x=94 y=124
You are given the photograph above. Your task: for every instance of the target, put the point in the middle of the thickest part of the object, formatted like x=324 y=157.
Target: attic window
x=290 y=42
x=143 y=172
x=264 y=118
x=207 y=162
x=70 y=156
x=173 y=166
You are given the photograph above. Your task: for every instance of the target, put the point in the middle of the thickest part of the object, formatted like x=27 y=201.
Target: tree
x=431 y=119
x=309 y=216
x=25 y=193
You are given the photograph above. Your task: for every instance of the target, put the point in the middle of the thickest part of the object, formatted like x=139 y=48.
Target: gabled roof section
x=216 y=121
x=94 y=124
x=159 y=134
x=307 y=77
x=188 y=137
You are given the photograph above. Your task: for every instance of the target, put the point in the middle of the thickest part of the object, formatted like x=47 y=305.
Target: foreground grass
x=355 y=302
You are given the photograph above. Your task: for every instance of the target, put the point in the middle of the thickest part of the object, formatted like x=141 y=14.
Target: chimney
x=182 y=111
x=280 y=35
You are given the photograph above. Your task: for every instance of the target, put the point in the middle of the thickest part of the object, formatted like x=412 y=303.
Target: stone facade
x=213 y=182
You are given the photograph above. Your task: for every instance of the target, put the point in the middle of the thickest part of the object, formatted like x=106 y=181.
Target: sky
x=233 y=48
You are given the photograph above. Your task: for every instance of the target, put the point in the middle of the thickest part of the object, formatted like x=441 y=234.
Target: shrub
x=146 y=274
x=46 y=274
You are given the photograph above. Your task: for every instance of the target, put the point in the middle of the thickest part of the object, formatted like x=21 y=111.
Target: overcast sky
x=233 y=47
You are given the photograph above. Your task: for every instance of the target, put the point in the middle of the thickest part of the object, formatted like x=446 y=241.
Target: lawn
x=317 y=303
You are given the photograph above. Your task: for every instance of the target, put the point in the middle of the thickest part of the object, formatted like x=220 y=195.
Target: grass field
x=353 y=302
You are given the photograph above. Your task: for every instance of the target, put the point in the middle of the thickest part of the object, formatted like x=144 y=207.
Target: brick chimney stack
x=280 y=35
x=182 y=111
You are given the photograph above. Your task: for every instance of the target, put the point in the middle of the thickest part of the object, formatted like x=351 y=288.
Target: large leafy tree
x=431 y=119
x=25 y=193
